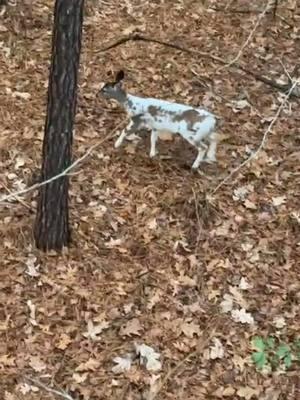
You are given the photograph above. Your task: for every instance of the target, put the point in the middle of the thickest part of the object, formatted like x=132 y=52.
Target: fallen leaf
x=7 y=361
x=278 y=201
x=152 y=224
x=133 y=327
x=9 y=396
x=149 y=357
x=94 y=330
x=37 y=364
x=32 y=269
x=216 y=350
x=64 y=341
x=250 y=205
x=19 y=162
x=25 y=388
x=90 y=365
x=239 y=105
x=190 y=329
x=113 y=242
x=242 y=316
x=32 y=309
x=244 y=285
x=122 y=364
x=227 y=303
x=21 y=95
x=247 y=392
x=79 y=378
x=229 y=391
x=279 y=322
x=238 y=297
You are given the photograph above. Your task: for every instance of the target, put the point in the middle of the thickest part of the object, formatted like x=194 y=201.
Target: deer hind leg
x=200 y=146
x=211 y=151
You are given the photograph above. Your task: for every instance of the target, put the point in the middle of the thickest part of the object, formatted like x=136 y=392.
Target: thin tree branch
x=237 y=57
x=262 y=144
x=14 y=195
x=138 y=37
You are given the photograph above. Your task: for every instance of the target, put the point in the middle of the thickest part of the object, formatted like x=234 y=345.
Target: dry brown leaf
x=9 y=396
x=133 y=327
x=90 y=365
x=190 y=329
x=79 y=378
x=37 y=364
x=7 y=361
x=247 y=392
x=249 y=204
x=228 y=391
x=64 y=341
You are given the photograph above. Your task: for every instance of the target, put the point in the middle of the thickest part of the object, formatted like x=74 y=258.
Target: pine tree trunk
x=51 y=230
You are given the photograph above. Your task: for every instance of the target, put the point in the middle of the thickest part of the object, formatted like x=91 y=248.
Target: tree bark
x=51 y=230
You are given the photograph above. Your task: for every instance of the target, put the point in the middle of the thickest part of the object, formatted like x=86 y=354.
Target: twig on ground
x=236 y=58
x=281 y=87
x=138 y=37
x=41 y=385
x=288 y=75
x=18 y=199
x=264 y=138
x=63 y=173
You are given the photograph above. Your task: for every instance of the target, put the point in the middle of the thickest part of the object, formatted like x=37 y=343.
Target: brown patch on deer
x=191 y=117
x=154 y=111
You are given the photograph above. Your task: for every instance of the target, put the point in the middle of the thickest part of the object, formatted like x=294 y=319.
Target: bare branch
x=41 y=385
x=236 y=58
x=262 y=144
x=15 y=195
x=135 y=37
x=138 y=37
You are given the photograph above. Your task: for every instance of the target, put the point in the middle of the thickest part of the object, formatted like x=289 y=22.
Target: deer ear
x=120 y=76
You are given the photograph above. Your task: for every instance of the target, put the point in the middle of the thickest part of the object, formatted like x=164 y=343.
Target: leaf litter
x=152 y=260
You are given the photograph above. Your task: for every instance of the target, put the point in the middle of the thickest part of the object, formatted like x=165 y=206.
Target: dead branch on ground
x=137 y=37
x=48 y=389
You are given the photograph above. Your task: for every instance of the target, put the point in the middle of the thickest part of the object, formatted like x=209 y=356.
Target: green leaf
x=259 y=343
x=297 y=344
x=288 y=360
x=270 y=342
x=259 y=358
x=283 y=350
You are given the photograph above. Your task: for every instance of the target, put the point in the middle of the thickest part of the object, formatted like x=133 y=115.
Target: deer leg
x=201 y=151
x=211 y=152
x=123 y=134
x=154 y=136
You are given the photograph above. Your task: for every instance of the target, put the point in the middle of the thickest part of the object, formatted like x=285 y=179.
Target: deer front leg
x=154 y=136
x=123 y=134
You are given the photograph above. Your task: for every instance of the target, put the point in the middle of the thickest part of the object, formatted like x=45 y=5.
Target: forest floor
x=157 y=258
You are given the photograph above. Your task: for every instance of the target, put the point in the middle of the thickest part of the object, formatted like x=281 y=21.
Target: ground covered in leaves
x=157 y=259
